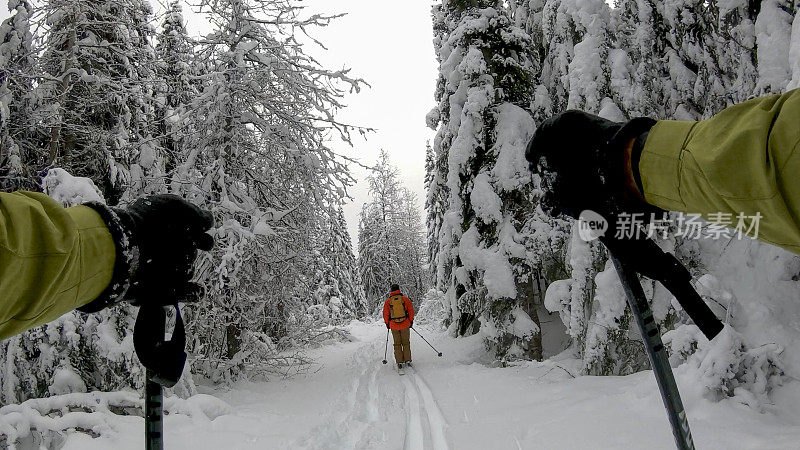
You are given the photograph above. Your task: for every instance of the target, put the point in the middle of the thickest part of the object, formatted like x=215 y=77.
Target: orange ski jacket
x=409 y=310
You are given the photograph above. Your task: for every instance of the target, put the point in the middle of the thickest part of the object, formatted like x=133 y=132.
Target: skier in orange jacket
x=398 y=314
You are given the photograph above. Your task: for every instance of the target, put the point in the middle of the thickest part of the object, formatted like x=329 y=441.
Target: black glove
x=387 y=326
x=579 y=157
x=412 y=324
x=157 y=239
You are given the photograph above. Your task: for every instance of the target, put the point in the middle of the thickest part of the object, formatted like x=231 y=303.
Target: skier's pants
x=402 y=345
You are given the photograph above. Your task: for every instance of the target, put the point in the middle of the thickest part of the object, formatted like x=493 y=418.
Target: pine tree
x=642 y=36
x=343 y=267
x=435 y=207
x=17 y=147
x=94 y=96
x=176 y=85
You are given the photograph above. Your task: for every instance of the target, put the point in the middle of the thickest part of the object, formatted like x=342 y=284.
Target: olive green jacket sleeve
x=742 y=161
x=52 y=260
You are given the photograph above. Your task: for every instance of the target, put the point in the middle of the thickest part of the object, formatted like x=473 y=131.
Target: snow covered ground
x=458 y=401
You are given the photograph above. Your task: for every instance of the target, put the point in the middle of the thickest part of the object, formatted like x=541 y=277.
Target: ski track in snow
x=368 y=411
x=414 y=439
x=435 y=417
x=353 y=419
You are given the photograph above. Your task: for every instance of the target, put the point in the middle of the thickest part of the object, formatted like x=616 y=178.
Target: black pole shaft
x=154 y=397
x=657 y=355
x=386 y=347
x=423 y=338
x=153 y=415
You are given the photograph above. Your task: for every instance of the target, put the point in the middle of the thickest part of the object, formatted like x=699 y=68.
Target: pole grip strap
x=164 y=359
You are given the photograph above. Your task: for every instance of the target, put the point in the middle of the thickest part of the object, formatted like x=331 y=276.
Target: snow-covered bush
x=727 y=366
x=682 y=342
x=510 y=334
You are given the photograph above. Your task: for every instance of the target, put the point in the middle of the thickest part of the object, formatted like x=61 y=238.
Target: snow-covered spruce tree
x=734 y=48
x=391 y=242
x=258 y=160
x=176 y=85
x=529 y=14
x=641 y=34
x=680 y=56
x=18 y=151
x=486 y=79
x=104 y=52
x=435 y=206
x=579 y=61
x=95 y=95
x=412 y=244
x=340 y=288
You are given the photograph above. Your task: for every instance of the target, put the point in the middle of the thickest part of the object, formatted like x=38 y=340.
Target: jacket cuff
x=637 y=129
x=125 y=263
x=660 y=163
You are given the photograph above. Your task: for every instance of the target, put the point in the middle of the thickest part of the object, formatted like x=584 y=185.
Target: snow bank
x=47 y=422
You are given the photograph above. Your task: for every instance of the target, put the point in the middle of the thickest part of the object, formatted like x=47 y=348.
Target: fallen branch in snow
x=325 y=335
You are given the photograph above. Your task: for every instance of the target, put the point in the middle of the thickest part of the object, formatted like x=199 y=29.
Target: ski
x=400 y=369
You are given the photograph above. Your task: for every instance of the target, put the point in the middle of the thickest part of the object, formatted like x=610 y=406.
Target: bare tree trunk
x=525 y=298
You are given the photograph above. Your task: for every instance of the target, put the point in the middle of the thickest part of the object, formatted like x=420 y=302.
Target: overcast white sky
x=388 y=45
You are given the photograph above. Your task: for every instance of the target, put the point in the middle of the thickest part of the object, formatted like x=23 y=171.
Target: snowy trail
x=366 y=415
x=352 y=401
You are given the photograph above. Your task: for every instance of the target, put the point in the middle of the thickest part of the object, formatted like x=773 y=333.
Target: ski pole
x=657 y=355
x=386 y=348
x=426 y=341
x=154 y=395
x=163 y=360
